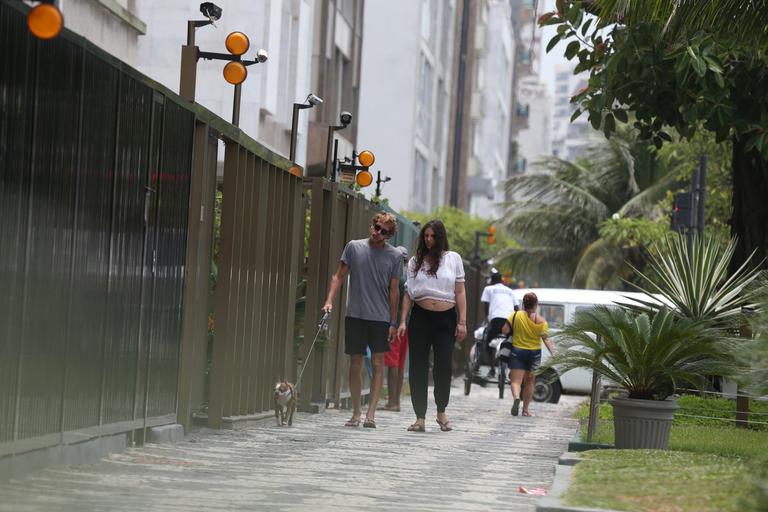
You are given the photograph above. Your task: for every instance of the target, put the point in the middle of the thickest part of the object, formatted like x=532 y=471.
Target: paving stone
x=318 y=464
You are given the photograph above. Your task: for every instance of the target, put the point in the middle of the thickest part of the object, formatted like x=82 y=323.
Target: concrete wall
x=109 y=24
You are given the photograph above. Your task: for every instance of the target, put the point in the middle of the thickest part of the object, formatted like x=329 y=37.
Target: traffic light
x=45 y=20
x=682 y=211
x=491 y=235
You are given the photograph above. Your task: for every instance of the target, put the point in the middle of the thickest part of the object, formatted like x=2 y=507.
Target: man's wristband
x=393 y=324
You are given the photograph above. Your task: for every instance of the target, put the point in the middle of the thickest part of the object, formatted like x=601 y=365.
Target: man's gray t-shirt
x=370 y=271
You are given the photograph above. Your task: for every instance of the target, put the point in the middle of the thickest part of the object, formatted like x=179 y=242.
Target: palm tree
x=648 y=356
x=554 y=212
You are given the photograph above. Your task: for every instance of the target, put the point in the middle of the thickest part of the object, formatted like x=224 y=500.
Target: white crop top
x=441 y=286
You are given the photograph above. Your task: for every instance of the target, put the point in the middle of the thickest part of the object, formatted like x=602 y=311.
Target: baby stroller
x=488 y=366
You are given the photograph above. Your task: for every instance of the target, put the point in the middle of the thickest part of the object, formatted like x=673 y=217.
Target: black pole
x=335 y=162
x=236 y=106
x=328 y=152
x=294 y=127
x=378 y=184
x=689 y=231
x=702 y=192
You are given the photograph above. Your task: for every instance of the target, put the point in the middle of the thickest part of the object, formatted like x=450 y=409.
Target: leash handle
x=321 y=326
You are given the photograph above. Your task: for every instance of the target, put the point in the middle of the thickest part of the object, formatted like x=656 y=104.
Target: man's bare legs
x=377 y=362
x=356 y=384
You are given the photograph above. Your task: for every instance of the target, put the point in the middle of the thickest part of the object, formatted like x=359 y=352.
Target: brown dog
x=285 y=402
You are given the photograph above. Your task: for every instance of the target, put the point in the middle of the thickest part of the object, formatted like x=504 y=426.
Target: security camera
x=314 y=100
x=345 y=118
x=210 y=11
x=262 y=55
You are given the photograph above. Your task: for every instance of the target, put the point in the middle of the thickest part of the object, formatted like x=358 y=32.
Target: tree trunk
x=750 y=205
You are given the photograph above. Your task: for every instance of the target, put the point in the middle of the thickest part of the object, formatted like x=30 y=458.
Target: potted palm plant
x=648 y=356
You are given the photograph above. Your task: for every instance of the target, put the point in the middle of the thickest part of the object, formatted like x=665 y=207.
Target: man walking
x=374 y=268
x=499 y=302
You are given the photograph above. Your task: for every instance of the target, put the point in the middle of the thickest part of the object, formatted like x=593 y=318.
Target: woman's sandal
x=416 y=427
x=369 y=423
x=353 y=422
x=526 y=413
x=445 y=426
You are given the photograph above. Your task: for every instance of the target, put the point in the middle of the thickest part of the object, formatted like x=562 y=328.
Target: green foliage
x=633 y=233
x=639 y=65
x=682 y=156
x=698 y=283
x=704 y=435
x=648 y=357
x=756 y=351
x=642 y=480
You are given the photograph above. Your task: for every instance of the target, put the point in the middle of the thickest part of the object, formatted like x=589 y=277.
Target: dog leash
x=320 y=328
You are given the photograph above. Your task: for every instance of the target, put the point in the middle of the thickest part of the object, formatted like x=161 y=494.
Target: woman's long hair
x=433 y=256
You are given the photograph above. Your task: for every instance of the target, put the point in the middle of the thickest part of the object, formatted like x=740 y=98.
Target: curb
x=563 y=477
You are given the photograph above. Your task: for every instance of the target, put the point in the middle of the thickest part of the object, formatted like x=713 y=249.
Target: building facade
x=490 y=110
x=113 y=25
x=405 y=99
x=569 y=139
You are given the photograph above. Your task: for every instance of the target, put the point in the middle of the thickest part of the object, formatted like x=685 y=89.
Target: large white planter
x=643 y=423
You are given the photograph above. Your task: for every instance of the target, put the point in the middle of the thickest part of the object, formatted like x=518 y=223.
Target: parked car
x=557 y=306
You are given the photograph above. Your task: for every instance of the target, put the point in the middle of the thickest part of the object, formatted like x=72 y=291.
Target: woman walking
x=529 y=329
x=437 y=304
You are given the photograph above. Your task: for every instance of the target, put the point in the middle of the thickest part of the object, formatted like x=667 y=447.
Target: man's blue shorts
x=522 y=359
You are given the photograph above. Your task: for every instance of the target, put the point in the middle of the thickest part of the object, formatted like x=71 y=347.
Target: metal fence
x=107 y=186
x=94 y=181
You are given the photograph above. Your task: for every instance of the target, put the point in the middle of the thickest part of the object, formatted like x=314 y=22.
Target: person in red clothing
x=394 y=360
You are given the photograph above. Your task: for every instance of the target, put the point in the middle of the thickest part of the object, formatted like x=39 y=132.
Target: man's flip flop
x=515 y=407
x=354 y=422
x=445 y=426
x=369 y=423
x=416 y=427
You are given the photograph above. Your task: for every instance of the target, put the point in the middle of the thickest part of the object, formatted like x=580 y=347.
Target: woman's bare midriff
x=435 y=305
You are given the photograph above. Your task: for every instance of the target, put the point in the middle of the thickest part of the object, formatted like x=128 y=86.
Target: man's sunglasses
x=382 y=231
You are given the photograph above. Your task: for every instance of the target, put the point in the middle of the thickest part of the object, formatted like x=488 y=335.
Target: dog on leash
x=285 y=402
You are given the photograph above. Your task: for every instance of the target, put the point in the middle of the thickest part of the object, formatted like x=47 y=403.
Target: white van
x=558 y=306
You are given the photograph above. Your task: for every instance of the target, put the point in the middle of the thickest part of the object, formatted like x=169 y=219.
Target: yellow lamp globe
x=237 y=43
x=235 y=73
x=366 y=158
x=364 y=178
x=45 y=21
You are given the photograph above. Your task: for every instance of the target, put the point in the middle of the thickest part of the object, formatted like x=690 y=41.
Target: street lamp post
x=379 y=181
x=330 y=170
x=235 y=71
x=310 y=102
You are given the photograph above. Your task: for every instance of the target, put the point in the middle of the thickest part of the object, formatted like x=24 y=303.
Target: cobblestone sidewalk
x=318 y=464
